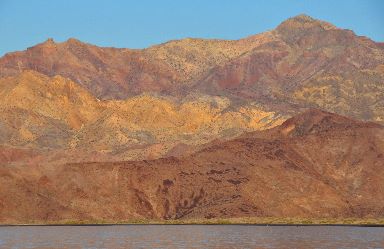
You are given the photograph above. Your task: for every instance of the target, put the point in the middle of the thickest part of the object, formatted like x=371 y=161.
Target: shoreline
x=255 y=221
x=192 y=224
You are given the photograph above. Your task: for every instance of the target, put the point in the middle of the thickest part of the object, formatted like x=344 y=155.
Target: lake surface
x=191 y=236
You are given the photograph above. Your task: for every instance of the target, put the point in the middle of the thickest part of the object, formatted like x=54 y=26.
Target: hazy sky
x=141 y=23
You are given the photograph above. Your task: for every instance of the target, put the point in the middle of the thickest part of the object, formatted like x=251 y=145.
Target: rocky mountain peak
x=302 y=25
x=302 y=22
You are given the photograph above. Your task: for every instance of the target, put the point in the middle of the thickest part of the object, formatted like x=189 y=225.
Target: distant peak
x=49 y=42
x=73 y=40
x=303 y=22
x=303 y=18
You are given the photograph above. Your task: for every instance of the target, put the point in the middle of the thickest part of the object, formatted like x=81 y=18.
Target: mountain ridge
x=331 y=173
x=173 y=67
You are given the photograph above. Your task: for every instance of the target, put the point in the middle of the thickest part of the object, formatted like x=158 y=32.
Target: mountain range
x=286 y=123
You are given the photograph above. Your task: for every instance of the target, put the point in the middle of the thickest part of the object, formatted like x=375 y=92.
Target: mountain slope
x=316 y=164
x=54 y=113
x=110 y=73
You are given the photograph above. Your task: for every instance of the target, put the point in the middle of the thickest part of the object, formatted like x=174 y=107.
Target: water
x=191 y=236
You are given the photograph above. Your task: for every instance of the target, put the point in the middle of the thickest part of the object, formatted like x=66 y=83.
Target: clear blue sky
x=141 y=23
